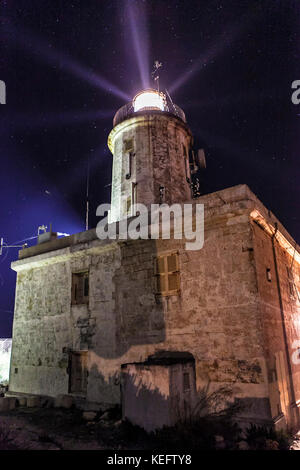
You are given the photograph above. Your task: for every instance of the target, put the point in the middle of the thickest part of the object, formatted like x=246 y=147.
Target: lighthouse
x=148 y=323
x=151 y=145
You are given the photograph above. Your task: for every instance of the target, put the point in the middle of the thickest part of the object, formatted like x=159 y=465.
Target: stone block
x=12 y=402
x=4 y=404
x=47 y=402
x=63 y=401
x=22 y=401
x=33 y=402
x=89 y=415
x=243 y=445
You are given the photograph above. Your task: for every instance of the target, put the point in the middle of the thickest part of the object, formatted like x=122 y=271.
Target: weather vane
x=155 y=74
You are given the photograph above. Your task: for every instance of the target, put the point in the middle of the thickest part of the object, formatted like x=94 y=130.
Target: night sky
x=69 y=65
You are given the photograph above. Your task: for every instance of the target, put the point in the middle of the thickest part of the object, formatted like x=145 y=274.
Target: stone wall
x=284 y=391
x=157 y=159
x=217 y=315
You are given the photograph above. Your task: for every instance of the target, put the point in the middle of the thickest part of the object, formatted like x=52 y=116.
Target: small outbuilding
x=160 y=391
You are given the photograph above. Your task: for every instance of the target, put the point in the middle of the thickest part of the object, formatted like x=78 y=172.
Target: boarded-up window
x=80 y=288
x=167 y=273
x=78 y=372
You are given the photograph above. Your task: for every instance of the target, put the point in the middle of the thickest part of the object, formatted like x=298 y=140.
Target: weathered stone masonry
x=226 y=313
x=232 y=307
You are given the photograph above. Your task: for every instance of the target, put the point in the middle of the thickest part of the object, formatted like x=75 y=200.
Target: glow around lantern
x=148 y=99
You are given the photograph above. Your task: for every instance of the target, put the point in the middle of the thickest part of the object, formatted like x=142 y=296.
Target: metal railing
x=127 y=111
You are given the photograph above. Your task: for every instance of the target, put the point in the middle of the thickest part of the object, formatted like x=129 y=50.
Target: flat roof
x=221 y=198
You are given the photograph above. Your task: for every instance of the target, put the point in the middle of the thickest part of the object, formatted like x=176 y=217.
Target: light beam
x=140 y=38
x=56 y=58
x=225 y=40
x=23 y=121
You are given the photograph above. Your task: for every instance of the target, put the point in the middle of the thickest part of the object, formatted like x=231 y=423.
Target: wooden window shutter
x=167 y=272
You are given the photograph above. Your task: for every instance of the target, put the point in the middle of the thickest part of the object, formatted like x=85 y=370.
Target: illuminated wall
x=5 y=354
x=225 y=313
x=150 y=162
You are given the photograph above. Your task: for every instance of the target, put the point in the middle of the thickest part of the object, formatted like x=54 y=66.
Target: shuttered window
x=167 y=274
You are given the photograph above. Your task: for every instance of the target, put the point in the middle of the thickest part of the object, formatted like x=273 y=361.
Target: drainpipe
x=293 y=396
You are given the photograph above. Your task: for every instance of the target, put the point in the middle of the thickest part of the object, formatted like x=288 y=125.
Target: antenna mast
x=4 y=245
x=155 y=74
x=87 y=195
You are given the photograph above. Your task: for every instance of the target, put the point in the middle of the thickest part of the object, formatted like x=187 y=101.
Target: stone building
x=87 y=309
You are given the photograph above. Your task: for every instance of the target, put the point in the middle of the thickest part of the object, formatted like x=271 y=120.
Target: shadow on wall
x=103 y=389
x=139 y=317
x=160 y=391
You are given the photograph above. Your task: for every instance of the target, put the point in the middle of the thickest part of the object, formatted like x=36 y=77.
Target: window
x=78 y=372
x=290 y=282
x=167 y=273
x=268 y=274
x=128 y=164
x=127 y=205
x=129 y=201
x=80 y=288
x=162 y=193
x=128 y=145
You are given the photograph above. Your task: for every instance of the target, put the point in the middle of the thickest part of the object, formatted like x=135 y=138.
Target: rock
x=118 y=423
x=272 y=445
x=22 y=401
x=4 y=403
x=63 y=401
x=12 y=402
x=105 y=416
x=3 y=389
x=89 y=415
x=105 y=424
x=243 y=445
x=47 y=402
x=33 y=402
x=220 y=442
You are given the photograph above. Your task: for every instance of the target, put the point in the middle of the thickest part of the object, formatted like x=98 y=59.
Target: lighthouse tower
x=151 y=146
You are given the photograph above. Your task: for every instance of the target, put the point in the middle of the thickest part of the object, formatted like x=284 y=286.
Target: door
x=78 y=372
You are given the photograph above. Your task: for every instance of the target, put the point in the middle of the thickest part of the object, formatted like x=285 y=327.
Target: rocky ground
x=58 y=429
x=71 y=429
x=296 y=444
